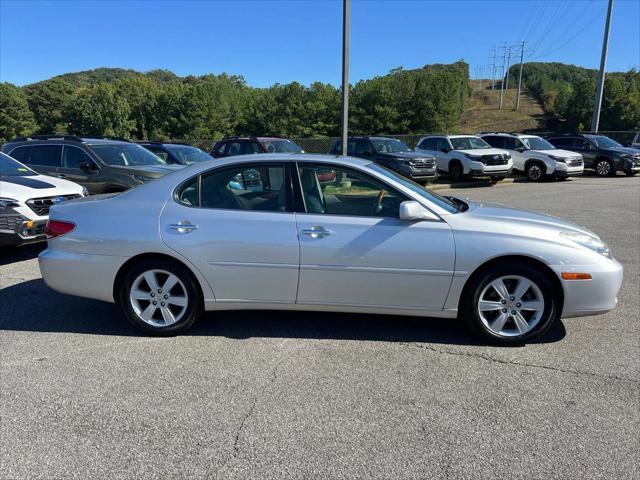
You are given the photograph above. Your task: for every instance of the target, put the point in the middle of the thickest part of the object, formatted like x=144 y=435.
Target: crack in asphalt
x=236 y=441
x=521 y=364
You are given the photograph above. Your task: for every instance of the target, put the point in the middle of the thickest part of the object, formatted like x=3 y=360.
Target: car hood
x=407 y=155
x=484 y=151
x=558 y=153
x=151 y=170
x=622 y=150
x=494 y=213
x=35 y=186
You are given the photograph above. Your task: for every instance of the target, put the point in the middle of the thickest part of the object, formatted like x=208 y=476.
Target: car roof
x=296 y=157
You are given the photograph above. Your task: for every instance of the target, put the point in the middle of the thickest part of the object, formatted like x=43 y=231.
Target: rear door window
x=44 y=155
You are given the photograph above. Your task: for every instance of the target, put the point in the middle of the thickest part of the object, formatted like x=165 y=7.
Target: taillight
x=55 y=228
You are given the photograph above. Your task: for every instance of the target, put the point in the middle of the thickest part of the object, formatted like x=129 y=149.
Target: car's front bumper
x=18 y=230
x=418 y=173
x=595 y=296
x=490 y=173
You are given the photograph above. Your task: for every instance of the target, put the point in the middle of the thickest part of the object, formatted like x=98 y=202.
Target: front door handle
x=183 y=226
x=317 y=232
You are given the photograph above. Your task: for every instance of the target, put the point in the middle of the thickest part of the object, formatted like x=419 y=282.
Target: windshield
x=12 y=168
x=126 y=154
x=603 y=142
x=188 y=155
x=389 y=145
x=281 y=146
x=537 y=143
x=442 y=202
x=468 y=143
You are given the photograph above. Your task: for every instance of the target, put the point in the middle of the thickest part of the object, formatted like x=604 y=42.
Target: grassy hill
x=482 y=112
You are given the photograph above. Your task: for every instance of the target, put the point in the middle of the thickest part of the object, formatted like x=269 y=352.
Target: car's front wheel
x=510 y=304
x=535 y=172
x=160 y=297
x=604 y=168
x=456 y=171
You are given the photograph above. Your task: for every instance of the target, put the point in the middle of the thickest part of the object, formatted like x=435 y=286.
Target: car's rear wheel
x=160 y=297
x=535 y=172
x=456 y=171
x=510 y=304
x=604 y=168
x=630 y=173
x=495 y=180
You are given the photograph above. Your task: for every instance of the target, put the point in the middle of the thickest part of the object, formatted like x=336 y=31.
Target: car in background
x=25 y=199
x=635 y=143
x=391 y=153
x=463 y=156
x=193 y=241
x=102 y=165
x=600 y=153
x=177 y=153
x=534 y=157
x=230 y=146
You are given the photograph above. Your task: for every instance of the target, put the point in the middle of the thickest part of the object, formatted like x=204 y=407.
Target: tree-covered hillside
x=567 y=93
x=160 y=105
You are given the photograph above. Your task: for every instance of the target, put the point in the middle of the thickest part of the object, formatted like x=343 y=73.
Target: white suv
x=466 y=155
x=25 y=199
x=535 y=157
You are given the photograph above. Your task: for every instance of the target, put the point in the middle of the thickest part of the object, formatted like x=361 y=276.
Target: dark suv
x=103 y=165
x=391 y=153
x=601 y=153
x=230 y=146
x=177 y=153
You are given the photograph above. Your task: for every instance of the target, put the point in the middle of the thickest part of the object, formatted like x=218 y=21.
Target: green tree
x=15 y=117
x=99 y=110
x=49 y=102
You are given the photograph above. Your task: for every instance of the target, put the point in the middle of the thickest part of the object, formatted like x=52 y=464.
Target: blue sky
x=279 y=42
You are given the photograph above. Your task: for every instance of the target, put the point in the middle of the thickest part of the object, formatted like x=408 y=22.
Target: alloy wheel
x=158 y=298
x=511 y=306
x=603 y=168
x=534 y=173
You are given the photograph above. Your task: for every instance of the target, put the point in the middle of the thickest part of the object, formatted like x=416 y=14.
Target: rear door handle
x=317 y=232
x=183 y=227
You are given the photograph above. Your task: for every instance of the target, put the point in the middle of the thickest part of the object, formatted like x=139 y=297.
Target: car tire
x=456 y=171
x=604 y=168
x=508 y=318
x=495 y=180
x=630 y=173
x=535 y=171
x=175 y=310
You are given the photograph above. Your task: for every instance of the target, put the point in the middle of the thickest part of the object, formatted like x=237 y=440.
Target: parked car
x=391 y=153
x=600 y=153
x=536 y=158
x=25 y=199
x=177 y=153
x=375 y=242
x=466 y=156
x=231 y=146
x=102 y=165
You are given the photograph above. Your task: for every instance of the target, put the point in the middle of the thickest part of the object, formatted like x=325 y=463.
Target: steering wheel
x=379 y=202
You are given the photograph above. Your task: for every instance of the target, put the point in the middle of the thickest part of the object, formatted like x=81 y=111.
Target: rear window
x=39 y=155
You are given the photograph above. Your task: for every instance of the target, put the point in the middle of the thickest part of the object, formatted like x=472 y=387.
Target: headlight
x=85 y=192
x=475 y=158
x=6 y=203
x=558 y=159
x=588 y=241
x=142 y=178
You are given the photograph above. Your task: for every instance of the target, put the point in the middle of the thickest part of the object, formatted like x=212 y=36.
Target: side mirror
x=520 y=149
x=89 y=167
x=367 y=153
x=445 y=150
x=413 y=211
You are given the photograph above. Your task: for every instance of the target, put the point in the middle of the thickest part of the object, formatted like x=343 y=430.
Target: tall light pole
x=595 y=121
x=504 y=62
x=344 y=121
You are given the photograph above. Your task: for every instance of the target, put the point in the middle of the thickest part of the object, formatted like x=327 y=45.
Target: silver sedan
x=316 y=232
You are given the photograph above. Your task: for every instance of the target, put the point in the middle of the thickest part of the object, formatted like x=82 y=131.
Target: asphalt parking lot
x=311 y=395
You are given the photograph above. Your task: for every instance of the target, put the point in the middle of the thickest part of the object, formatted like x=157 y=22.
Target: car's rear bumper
x=84 y=275
x=595 y=296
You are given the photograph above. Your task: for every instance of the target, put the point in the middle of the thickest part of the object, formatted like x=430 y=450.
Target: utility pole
x=493 y=70
x=344 y=121
x=508 y=67
x=504 y=62
x=520 y=76
x=595 y=121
